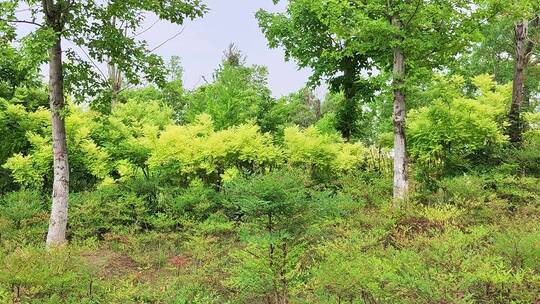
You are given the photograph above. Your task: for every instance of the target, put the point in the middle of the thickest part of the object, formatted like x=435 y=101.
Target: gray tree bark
x=401 y=176
x=59 y=210
x=524 y=47
x=115 y=75
x=514 y=116
x=115 y=78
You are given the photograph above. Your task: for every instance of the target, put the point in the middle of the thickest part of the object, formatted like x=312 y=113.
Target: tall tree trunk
x=58 y=220
x=348 y=112
x=514 y=116
x=313 y=103
x=401 y=176
x=526 y=93
x=115 y=77
x=318 y=113
x=533 y=25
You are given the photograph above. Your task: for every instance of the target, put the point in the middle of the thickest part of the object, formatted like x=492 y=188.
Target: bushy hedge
x=127 y=144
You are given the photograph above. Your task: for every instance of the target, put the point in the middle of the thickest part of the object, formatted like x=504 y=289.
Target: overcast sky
x=203 y=41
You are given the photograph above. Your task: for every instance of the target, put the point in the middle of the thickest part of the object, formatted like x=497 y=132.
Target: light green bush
x=186 y=153
x=321 y=154
x=89 y=163
x=451 y=137
x=528 y=158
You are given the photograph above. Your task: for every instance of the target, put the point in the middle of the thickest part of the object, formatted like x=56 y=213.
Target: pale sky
x=202 y=42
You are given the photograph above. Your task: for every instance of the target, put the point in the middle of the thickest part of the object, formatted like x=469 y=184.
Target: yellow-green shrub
x=15 y=122
x=130 y=131
x=528 y=157
x=194 y=151
x=321 y=153
x=450 y=137
x=128 y=145
x=88 y=162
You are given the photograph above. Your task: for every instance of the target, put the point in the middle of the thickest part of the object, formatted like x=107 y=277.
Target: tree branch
x=146 y=29
x=92 y=61
x=169 y=39
x=531 y=43
x=22 y=21
x=417 y=8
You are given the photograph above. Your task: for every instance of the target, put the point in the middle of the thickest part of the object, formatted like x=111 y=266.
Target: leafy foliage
x=321 y=154
x=276 y=212
x=234 y=87
x=455 y=133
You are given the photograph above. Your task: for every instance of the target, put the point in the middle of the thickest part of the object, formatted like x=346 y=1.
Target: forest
x=415 y=177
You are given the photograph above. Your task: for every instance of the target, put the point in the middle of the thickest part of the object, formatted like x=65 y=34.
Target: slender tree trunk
x=348 y=112
x=58 y=220
x=526 y=93
x=401 y=178
x=520 y=64
x=313 y=103
x=318 y=113
x=115 y=77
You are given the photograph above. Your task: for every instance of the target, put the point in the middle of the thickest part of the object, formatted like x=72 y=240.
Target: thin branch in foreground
x=169 y=39
x=22 y=21
x=93 y=62
x=146 y=29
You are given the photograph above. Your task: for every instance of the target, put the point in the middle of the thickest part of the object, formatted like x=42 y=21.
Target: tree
x=277 y=214
x=524 y=46
x=16 y=70
x=404 y=39
x=237 y=94
x=493 y=54
x=88 y=25
x=170 y=93
x=301 y=108
x=509 y=52
x=309 y=35
x=114 y=71
x=233 y=56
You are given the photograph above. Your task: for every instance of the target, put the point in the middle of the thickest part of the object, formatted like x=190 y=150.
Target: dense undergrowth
x=280 y=237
